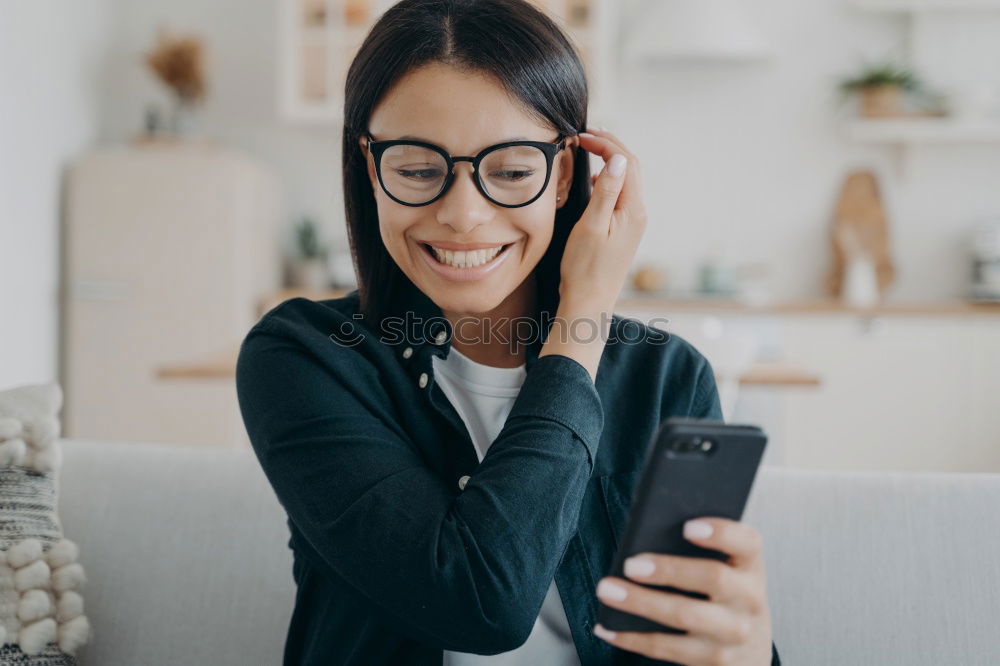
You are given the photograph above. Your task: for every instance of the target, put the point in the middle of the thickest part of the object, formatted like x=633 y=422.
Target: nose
x=462 y=207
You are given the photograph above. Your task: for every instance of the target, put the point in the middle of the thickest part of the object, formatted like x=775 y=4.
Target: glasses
x=416 y=173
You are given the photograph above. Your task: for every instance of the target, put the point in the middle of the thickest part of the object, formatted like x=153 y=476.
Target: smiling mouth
x=466 y=259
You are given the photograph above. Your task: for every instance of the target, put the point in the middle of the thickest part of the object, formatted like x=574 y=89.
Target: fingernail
x=604 y=633
x=696 y=529
x=639 y=566
x=586 y=134
x=611 y=591
x=617 y=165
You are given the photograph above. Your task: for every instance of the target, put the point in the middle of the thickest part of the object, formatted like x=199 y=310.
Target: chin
x=471 y=303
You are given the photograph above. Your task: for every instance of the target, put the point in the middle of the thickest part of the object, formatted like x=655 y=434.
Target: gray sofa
x=187 y=560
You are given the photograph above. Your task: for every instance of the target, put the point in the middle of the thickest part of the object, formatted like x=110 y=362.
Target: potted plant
x=179 y=63
x=881 y=88
x=309 y=271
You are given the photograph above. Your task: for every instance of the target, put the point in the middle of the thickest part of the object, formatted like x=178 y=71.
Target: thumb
x=607 y=187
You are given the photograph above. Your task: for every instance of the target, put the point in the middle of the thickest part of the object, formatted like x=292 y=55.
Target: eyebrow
x=411 y=137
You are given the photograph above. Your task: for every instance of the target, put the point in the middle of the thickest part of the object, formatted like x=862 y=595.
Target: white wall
x=746 y=156
x=240 y=38
x=51 y=65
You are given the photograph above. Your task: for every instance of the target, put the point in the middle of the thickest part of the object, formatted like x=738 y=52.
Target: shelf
x=823 y=306
x=652 y=301
x=924 y=130
x=925 y=5
x=223 y=367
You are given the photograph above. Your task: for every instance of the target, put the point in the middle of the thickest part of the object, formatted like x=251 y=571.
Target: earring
x=558 y=198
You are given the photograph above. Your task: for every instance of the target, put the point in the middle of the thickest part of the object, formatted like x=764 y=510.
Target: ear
x=369 y=163
x=563 y=168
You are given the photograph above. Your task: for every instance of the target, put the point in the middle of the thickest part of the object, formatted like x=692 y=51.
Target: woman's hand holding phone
x=732 y=626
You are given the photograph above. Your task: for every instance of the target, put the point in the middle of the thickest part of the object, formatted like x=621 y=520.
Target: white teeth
x=466 y=258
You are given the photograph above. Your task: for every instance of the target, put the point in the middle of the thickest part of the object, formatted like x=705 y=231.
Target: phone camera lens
x=690 y=445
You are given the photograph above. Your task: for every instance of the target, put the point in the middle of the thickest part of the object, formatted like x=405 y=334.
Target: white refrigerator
x=168 y=249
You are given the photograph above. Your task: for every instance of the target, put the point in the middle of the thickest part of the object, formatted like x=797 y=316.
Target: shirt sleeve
x=706 y=403
x=461 y=570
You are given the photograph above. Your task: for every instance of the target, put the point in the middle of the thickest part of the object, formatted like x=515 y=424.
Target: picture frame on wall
x=318 y=39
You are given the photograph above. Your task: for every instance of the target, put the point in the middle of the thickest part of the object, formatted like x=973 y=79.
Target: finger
x=678 y=648
x=743 y=543
x=631 y=196
x=609 y=182
x=705 y=618
x=722 y=582
x=601 y=132
x=606 y=150
x=605 y=134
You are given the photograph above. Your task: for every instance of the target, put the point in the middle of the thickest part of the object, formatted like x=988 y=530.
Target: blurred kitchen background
x=822 y=176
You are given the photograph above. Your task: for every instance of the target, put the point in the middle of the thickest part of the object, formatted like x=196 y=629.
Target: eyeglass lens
x=511 y=175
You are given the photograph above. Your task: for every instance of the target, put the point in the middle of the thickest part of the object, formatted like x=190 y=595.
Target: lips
x=448 y=245
x=468 y=258
x=464 y=273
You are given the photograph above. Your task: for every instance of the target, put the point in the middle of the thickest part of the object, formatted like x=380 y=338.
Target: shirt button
x=462 y=481
x=423 y=379
x=440 y=337
x=408 y=352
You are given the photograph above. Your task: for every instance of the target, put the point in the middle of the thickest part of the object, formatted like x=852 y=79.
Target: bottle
x=860 y=281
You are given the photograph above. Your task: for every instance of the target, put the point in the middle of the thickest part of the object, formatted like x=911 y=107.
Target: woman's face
x=464 y=113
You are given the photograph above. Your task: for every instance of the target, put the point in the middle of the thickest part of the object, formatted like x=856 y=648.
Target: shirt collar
x=424 y=326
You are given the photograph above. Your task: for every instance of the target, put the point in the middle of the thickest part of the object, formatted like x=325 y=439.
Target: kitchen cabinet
x=912 y=388
x=906 y=386
x=913 y=393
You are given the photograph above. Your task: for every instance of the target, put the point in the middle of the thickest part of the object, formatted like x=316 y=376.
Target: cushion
x=41 y=609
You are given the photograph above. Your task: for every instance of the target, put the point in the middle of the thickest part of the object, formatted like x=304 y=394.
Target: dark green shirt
x=394 y=561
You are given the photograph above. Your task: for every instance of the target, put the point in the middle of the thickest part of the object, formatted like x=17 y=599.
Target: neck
x=492 y=339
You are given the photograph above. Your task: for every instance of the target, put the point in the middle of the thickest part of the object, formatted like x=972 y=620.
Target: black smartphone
x=692 y=468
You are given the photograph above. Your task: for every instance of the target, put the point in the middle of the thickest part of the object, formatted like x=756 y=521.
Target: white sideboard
x=908 y=389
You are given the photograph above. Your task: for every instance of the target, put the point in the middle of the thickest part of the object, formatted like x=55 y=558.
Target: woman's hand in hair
x=731 y=626
x=602 y=244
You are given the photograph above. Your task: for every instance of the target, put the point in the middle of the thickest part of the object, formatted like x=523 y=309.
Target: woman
x=455 y=462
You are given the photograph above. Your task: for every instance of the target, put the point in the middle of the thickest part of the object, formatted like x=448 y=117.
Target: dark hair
x=510 y=40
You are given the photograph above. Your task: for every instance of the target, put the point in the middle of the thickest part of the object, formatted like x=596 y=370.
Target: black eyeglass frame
x=550 y=150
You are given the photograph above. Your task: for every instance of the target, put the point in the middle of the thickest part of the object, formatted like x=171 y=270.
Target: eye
x=512 y=174
x=419 y=174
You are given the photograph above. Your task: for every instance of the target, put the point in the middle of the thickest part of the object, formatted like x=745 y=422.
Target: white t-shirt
x=483 y=396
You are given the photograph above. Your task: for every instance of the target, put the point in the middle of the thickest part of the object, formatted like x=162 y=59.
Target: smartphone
x=692 y=468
